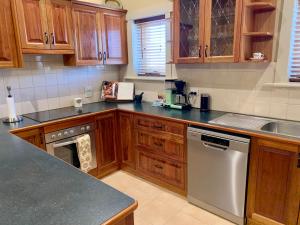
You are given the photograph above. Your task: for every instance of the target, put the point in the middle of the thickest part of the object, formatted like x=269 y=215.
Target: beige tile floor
x=158 y=206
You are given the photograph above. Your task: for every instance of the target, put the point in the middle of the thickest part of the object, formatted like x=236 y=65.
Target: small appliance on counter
x=205 y=103
x=175 y=96
x=12 y=113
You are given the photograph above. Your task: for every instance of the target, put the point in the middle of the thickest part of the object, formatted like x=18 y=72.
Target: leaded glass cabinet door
x=222 y=30
x=188 y=31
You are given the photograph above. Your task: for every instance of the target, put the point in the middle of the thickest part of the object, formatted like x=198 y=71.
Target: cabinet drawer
x=159 y=125
x=164 y=170
x=160 y=145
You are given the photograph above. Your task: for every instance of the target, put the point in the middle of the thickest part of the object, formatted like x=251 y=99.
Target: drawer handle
x=158 y=167
x=142 y=124
x=158 y=126
x=298 y=164
x=158 y=144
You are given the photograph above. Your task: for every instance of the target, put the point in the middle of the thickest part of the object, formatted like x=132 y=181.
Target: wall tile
x=293 y=112
x=44 y=83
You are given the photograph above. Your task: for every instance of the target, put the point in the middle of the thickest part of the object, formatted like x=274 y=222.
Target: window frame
x=135 y=37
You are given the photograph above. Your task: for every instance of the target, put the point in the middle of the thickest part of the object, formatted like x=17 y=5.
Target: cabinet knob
x=104 y=57
x=205 y=51
x=52 y=39
x=200 y=51
x=46 y=38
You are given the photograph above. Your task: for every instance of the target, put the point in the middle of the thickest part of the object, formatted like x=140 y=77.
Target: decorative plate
x=114 y=4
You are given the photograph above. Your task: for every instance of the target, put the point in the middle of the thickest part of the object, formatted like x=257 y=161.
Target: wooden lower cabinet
x=126 y=140
x=274 y=183
x=106 y=141
x=35 y=137
x=161 y=152
x=167 y=171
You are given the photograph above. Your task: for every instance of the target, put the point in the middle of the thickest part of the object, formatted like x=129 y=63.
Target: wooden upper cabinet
x=45 y=25
x=59 y=23
x=113 y=25
x=32 y=20
x=274 y=183
x=207 y=31
x=188 y=31
x=222 y=30
x=87 y=36
x=8 y=46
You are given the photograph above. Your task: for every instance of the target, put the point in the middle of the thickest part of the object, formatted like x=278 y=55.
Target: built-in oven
x=63 y=144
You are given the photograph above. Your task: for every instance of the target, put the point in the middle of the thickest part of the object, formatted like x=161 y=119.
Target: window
x=294 y=67
x=150 y=46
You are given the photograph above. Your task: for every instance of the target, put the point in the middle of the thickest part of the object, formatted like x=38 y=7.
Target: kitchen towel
x=12 y=113
x=84 y=152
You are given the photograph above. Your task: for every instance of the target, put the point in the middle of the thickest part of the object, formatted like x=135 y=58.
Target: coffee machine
x=176 y=97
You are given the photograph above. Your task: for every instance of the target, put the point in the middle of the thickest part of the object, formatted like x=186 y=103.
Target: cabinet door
x=59 y=23
x=8 y=49
x=33 y=25
x=34 y=137
x=87 y=35
x=106 y=143
x=188 y=31
x=114 y=38
x=222 y=30
x=274 y=181
x=127 y=139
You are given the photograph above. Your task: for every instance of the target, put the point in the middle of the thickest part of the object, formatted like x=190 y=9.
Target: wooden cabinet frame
x=10 y=55
x=260 y=208
x=41 y=39
x=176 y=34
x=237 y=35
x=205 y=35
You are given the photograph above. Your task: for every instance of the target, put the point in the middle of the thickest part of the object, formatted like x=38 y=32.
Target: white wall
x=233 y=87
x=45 y=83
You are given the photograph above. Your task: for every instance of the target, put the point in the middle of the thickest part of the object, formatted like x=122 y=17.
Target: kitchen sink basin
x=285 y=128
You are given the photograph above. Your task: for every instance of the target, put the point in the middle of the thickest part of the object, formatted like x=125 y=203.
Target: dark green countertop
x=37 y=188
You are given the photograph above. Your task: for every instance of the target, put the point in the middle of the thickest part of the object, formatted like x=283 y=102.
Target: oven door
x=66 y=150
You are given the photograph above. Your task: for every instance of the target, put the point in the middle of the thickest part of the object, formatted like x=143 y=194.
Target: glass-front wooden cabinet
x=188 y=31
x=207 y=31
x=222 y=27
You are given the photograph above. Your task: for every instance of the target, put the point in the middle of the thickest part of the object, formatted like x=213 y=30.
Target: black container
x=205 y=103
x=138 y=98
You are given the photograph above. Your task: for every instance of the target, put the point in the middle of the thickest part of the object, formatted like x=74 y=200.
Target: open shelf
x=258 y=27
x=261 y=6
x=258 y=34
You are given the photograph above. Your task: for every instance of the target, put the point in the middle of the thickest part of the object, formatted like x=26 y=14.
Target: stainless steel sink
x=285 y=128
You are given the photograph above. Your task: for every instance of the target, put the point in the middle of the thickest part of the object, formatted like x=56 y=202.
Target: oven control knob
x=53 y=136
x=66 y=133
x=88 y=127
x=82 y=128
x=59 y=134
x=71 y=131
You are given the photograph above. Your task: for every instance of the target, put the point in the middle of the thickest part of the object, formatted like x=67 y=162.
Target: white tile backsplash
x=45 y=83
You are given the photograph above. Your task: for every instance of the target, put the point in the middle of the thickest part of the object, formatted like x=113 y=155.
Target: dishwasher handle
x=214 y=147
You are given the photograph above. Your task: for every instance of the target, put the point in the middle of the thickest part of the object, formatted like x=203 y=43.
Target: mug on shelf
x=258 y=55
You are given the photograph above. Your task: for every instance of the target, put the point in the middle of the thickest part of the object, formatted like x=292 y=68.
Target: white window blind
x=294 y=68
x=151 y=48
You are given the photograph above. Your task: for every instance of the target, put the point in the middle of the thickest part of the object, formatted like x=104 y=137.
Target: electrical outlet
x=195 y=99
x=196 y=90
x=88 y=92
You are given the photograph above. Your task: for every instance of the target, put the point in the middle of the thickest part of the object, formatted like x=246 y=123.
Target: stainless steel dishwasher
x=217 y=172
